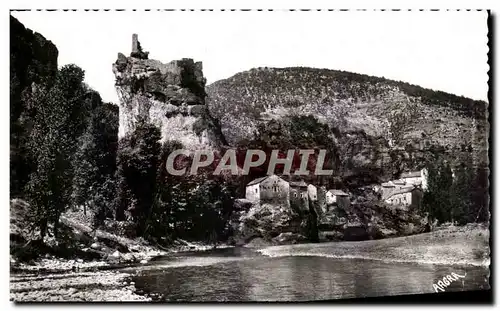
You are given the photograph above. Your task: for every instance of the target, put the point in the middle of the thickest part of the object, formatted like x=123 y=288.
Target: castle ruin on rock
x=170 y=96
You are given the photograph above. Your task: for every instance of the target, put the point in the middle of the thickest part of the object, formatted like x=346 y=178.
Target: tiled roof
x=411 y=174
x=337 y=192
x=416 y=182
x=398 y=191
x=257 y=181
x=398 y=182
x=298 y=184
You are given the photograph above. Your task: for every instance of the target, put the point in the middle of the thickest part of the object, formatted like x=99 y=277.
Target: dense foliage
x=33 y=61
x=59 y=120
x=164 y=206
x=342 y=85
x=96 y=155
x=456 y=195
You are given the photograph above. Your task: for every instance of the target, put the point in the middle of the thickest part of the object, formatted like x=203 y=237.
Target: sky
x=442 y=50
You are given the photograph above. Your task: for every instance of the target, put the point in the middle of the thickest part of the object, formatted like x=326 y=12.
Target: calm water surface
x=244 y=275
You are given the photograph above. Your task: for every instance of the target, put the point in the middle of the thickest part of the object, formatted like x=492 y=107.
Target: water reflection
x=257 y=278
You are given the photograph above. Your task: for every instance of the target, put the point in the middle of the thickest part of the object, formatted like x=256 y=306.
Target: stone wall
x=275 y=190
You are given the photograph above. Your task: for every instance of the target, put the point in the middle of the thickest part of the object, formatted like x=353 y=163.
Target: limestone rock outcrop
x=168 y=95
x=368 y=218
x=266 y=221
x=33 y=65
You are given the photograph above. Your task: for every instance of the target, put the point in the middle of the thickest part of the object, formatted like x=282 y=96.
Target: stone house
x=337 y=197
x=414 y=178
x=398 y=183
x=312 y=192
x=299 y=198
x=317 y=198
x=384 y=188
x=269 y=189
x=410 y=195
x=417 y=178
x=295 y=194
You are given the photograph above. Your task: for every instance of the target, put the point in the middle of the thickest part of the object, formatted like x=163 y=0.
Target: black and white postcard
x=228 y=155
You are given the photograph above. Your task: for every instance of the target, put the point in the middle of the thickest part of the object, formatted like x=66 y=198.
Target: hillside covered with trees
x=370 y=119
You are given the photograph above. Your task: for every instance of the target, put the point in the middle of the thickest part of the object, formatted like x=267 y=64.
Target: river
x=241 y=274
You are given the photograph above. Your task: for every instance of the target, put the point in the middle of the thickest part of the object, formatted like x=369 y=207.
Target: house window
x=256 y=190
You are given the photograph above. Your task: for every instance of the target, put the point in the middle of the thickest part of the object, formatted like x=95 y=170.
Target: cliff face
x=170 y=96
x=378 y=126
x=33 y=65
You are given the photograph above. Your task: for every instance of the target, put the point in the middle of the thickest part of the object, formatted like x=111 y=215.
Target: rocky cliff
x=170 y=96
x=33 y=65
x=376 y=127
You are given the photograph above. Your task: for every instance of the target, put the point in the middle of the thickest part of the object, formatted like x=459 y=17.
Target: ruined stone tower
x=170 y=96
x=137 y=51
x=135 y=43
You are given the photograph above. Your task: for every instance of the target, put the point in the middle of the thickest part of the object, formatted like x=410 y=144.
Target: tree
x=460 y=196
x=96 y=154
x=59 y=118
x=461 y=193
x=437 y=197
x=161 y=225
x=100 y=202
x=480 y=195
x=208 y=209
x=138 y=163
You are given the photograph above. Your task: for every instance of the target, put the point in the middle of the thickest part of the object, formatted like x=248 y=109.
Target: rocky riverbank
x=59 y=279
x=73 y=286
x=450 y=245
x=55 y=279
x=81 y=264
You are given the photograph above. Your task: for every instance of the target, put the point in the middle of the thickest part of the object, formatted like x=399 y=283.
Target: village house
x=299 y=198
x=337 y=197
x=298 y=189
x=385 y=187
x=312 y=192
x=269 y=189
x=317 y=198
x=398 y=183
x=275 y=190
x=417 y=178
x=407 y=196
